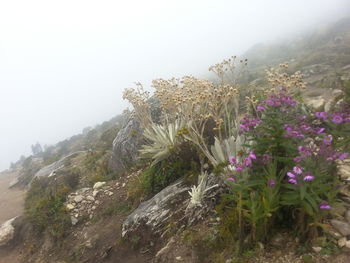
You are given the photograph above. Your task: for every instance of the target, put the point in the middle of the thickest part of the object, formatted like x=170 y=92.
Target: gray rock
x=98 y=185
x=78 y=198
x=7 y=232
x=341 y=227
x=156 y=212
x=126 y=146
x=74 y=220
x=90 y=198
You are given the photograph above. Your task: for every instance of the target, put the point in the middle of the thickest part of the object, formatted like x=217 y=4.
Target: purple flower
x=343 y=156
x=231 y=179
x=297 y=170
x=292 y=181
x=247 y=161
x=321 y=115
x=260 y=108
x=271 y=182
x=297 y=159
x=337 y=119
x=319 y=130
x=325 y=206
x=232 y=160
x=328 y=139
x=239 y=168
x=309 y=177
x=252 y=155
x=291 y=175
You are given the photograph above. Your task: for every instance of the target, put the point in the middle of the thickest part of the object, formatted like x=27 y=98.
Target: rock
x=126 y=145
x=317 y=249
x=178 y=258
x=70 y=206
x=98 y=185
x=50 y=170
x=95 y=193
x=344 y=171
x=341 y=227
x=90 y=198
x=78 y=198
x=347 y=244
x=155 y=212
x=342 y=242
x=347 y=216
x=7 y=232
x=316 y=103
x=74 y=220
x=123 y=185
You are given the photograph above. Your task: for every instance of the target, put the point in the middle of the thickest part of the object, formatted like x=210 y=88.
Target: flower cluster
x=248 y=123
x=297 y=174
x=335 y=117
x=236 y=166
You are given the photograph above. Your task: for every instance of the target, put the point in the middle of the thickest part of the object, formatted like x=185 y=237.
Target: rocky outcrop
x=7 y=232
x=50 y=170
x=126 y=145
x=155 y=213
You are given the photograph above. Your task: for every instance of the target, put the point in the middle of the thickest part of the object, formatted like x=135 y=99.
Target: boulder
x=7 y=232
x=155 y=213
x=126 y=145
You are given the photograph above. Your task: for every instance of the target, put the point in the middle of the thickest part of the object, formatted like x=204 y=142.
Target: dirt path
x=11 y=200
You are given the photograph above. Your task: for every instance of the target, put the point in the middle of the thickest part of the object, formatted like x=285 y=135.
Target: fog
x=64 y=64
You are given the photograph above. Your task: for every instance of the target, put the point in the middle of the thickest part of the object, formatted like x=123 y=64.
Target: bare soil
x=11 y=200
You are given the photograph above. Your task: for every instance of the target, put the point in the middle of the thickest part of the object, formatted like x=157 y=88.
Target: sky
x=64 y=64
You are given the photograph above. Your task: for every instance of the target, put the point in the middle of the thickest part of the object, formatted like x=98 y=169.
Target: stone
x=178 y=258
x=78 y=198
x=342 y=241
x=317 y=249
x=74 y=220
x=126 y=145
x=110 y=193
x=155 y=212
x=341 y=226
x=316 y=103
x=70 y=207
x=7 y=232
x=95 y=193
x=347 y=244
x=98 y=185
x=90 y=198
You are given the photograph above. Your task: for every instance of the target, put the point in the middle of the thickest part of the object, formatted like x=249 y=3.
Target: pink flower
x=252 y=155
x=260 y=108
x=297 y=159
x=271 y=182
x=309 y=177
x=291 y=175
x=297 y=170
x=247 y=161
x=231 y=179
x=292 y=181
x=232 y=160
x=239 y=168
x=325 y=206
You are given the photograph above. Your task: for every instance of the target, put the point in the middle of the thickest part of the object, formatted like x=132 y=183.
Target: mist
x=64 y=64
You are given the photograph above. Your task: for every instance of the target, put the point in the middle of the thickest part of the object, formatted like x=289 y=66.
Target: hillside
x=201 y=172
